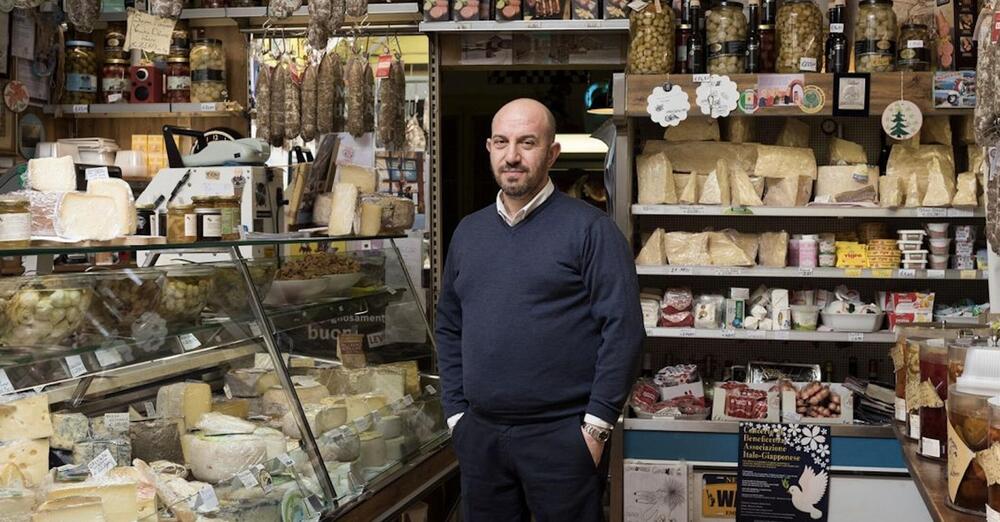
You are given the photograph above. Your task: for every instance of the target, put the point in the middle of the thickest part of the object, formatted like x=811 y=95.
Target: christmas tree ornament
x=902 y=120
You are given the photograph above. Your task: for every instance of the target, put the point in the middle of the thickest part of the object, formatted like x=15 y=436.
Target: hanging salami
x=83 y=14
x=357 y=8
x=392 y=108
x=282 y=8
x=166 y=8
x=318 y=33
x=369 y=102
x=336 y=21
x=279 y=77
x=356 y=97
x=293 y=110
x=262 y=99
x=308 y=107
x=330 y=79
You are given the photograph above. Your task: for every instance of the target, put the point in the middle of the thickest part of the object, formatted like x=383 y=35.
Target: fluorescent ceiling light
x=581 y=144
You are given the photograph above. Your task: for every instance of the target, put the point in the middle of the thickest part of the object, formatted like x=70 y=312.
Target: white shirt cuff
x=595 y=420
x=453 y=420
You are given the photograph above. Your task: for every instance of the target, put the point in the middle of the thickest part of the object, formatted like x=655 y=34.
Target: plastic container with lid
x=914 y=49
x=991 y=461
x=914 y=265
x=120 y=298
x=208 y=71
x=41 y=313
x=909 y=246
x=933 y=392
x=800 y=37
x=15 y=222
x=81 y=73
x=805 y=317
x=875 y=35
x=937 y=230
x=115 y=81
x=940 y=245
x=969 y=427
x=651 y=39
x=178 y=78
x=914 y=256
x=911 y=234
x=725 y=37
x=938 y=262
x=182 y=225
x=808 y=251
x=185 y=293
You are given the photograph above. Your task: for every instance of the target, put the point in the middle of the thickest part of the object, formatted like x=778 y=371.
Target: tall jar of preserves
x=875 y=34
x=114 y=81
x=208 y=71
x=15 y=222
x=725 y=35
x=81 y=73
x=182 y=224
x=800 y=37
x=651 y=44
x=231 y=223
x=914 y=48
x=178 y=80
x=114 y=42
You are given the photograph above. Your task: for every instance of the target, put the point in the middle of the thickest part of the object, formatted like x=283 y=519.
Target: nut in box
x=185 y=293
x=816 y=403
x=43 y=312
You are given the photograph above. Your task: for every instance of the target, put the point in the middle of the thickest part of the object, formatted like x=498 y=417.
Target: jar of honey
x=182 y=225
x=933 y=392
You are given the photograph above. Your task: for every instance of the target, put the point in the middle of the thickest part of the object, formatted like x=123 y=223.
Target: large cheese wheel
x=189 y=400
x=26 y=418
x=321 y=417
x=214 y=459
x=119 y=499
x=373 y=450
x=346 y=448
x=361 y=405
x=276 y=402
x=390 y=426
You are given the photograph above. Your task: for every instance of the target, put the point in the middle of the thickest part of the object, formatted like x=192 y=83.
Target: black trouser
x=510 y=472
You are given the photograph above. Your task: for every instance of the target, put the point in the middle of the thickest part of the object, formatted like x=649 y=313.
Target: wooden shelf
x=811 y=273
x=808 y=211
x=147 y=110
x=931 y=479
x=885 y=89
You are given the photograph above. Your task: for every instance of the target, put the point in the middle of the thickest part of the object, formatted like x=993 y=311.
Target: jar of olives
x=726 y=34
x=114 y=42
x=178 y=80
x=180 y=41
x=208 y=71
x=914 y=48
x=875 y=34
x=652 y=44
x=114 y=81
x=81 y=73
x=800 y=37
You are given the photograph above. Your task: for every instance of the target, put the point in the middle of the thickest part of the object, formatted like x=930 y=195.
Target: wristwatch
x=600 y=434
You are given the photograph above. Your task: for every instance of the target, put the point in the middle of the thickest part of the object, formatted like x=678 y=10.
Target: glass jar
x=875 y=34
x=725 y=35
x=178 y=80
x=914 y=48
x=15 y=222
x=651 y=44
x=208 y=71
x=911 y=353
x=956 y=359
x=182 y=227
x=81 y=73
x=800 y=37
x=768 y=48
x=231 y=222
x=681 y=49
x=114 y=81
x=209 y=224
x=933 y=393
x=968 y=434
x=180 y=41
x=993 y=494
x=114 y=43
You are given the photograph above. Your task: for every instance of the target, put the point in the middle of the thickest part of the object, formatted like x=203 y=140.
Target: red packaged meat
x=676 y=300
x=644 y=395
x=677 y=320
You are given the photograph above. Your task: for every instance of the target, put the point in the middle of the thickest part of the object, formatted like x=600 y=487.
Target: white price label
x=645 y=209
x=209 y=501
x=207 y=107
x=900 y=407
x=80 y=109
x=247 y=478
x=286 y=460
x=533 y=25
x=254 y=330
x=756 y=334
x=407 y=400
x=935 y=274
x=376 y=339
x=700 y=78
x=680 y=270
x=805 y=272
x=76 y=366
x=96 y=173
x=150 y=409
x=992 y=515
x=396 y=406
x=115 y=97
x=914 y=426
x=430 y=389
x=932 y=212
x=102 y=464
x=782 y=335
x=728 y=332
x=108 y=357
x=116 y=422
x=693 y=210
x=376 y=416
x=728 y=271
x=836 y=28
x=687 y=332
x=807 y=64
x=855 y=337
x=914 y=44
x=228 y=391
x=906 y=273
x=189 y=342
x=5 y=385
x=961 y=212
x=930 y=447
x=362 y=424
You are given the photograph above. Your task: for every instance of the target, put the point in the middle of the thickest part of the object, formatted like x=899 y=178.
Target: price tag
x=396 y=406
x=807 y=64
x=852 y=272
x=782 y=334
x=116 y=422
x=593 y=25
x=362 y=424
x=728 y=332
x=961 y=212
x=756 y=334
x=376 y=339
x=286 y=460
x=935 y=274
x=930 y=447
x=687 y=332
x=430 y=389
x=882 y=273
x=76 y=366
x=906 y=273
x=914 y=44
x=228 y=391
x=680 y=270
x=693 y=210
x=254 y=330
x=914 y=426
x=5 y=385
x=805 y=272
x=247 y=478
x=701 y=78
x=533 y=25
x=80 y=109
x=207 y=107
x=968 y=274
x=209 y=501
x=115 y=97
x=645 y=209
x=376 y=416
x=837 y=28
x=189 y=342
x=108 y=357
x=102 y=464
x=407 y=400
x=932 y=212
x=150 y=409
x=728 y=271
x=96 y=173
x=855 y=337
x=649 y=332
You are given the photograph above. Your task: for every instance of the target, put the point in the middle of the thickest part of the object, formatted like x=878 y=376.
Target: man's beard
x=515 y=189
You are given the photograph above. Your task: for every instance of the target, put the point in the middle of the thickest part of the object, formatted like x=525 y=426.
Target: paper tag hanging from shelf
x=717 y=97
x=668 y=105
x=902 y=120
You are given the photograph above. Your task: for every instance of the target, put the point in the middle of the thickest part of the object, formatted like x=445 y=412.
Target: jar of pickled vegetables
x=114 y=81
x=990 y=462
x=208 y=71
x=178 y=80
x=15 y=222
x=81 y=73
x=800 y=37
x=231 y=222
x=875 y=34
x=114 y=42
x=182 y=224
x=914 y=48
x=933 y=394
x=652 y=43
x=726 y=35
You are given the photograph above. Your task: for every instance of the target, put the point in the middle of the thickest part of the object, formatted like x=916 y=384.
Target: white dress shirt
x=518 y=217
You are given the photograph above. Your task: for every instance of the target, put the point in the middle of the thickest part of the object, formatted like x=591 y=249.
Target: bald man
x=538 y=334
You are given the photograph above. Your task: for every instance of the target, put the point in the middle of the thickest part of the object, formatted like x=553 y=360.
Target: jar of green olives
x=800 y=37
x=651 y=44
x=914 y=48
x=81 y=73
x=875 y=34
x=208 y=71
x=726 y=35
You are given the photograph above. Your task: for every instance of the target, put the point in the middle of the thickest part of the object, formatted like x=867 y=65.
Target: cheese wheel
x=361 y=405
x=373 y=450
x=214 y=459
x=250 y=382
x=276 y=402
x=322 y=418
x=344 y=449
x=189 y=400
x=30 y=456
x=390 y=426
x=395 y=448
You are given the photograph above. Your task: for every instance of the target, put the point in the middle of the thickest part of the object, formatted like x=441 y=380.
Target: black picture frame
x=851 y=107
x=6 y=64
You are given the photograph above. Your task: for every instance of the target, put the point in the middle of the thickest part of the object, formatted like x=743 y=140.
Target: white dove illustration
x=809 y=492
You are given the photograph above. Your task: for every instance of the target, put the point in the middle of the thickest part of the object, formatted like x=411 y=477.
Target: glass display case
x=252 y=380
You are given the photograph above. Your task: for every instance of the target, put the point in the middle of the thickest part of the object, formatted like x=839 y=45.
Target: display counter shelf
x=146 y=110
x=377 y=13
x=709 y=426
x=885 y=337
x=518 y=26
x=807 y=211
x=931 y=479
x=818 y=272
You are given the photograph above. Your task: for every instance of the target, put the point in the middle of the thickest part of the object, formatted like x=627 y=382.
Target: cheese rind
x=322 y=207
x=26 y=418
x=213 y=459
x=239 y=408
x=345 y=202
x=373 y=450
x=119 y=500
x=189 y=400
x=214 y=423
x=120 y=191
x=71 y=509
x=82 y=217
x=361 y=405
x=31 y=456
x=68 y=429
x=52 y=174
x=157 y=439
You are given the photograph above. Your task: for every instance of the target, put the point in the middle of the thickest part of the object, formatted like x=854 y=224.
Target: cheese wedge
x=26 y=418
x=71 y=509
x=82 y=217
x=656 y=180
x=120 y=191
x=364 y=179
x=345 y=202
x=187 y=400
x=652 y=252
x=52 y=174
x=689 y=195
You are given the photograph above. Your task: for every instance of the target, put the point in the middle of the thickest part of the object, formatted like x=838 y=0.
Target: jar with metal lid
x=114 y=81
x=231 y=223
x=651 y=43
x=182 y=225
x=81 y=73
x=114 y=42
x=178 y=80
x=15 y=222
x=145 y=218
x=800 y=37
x=180 y=41
x=915 y=48
x=208 y=71
x=875 y=34
x=725 y=35
x=209 y=224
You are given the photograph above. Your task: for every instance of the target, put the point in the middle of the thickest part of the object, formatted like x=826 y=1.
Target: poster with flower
x=783 y=473
x=655 y=490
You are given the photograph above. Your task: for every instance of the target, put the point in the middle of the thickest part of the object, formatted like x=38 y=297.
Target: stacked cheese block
x=105 y=211
x=355 y=207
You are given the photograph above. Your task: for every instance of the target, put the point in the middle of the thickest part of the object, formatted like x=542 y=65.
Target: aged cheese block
x=784 y=162
x=215 y=423
x=275 y=442
x=31 y=456
x=940 y=188
x=395 y=448
x=213 y=459
x=369 y=219
x=412 y=376
x=88 y=449
x=905 y=162
x=843 y=152
x=71 y=509
x=833 y=183
x=701 y=156
x=794 y=133
x=16 y=504
x=120 y=191
x=52 y=174
x=743 y=191
x=346 y=448
x=99 y=429
x=26 y=418
x=189 y=400
x=693 y=129
x=689 y=195
x=250 y=382
x=239 y=408
x=119 y=500
x=364 y=179
x=390 y=426
x=84 y=216
x=322 y=207
x=716 y=191
x=361 y=405
x=322 y=418
x=781 y=192
x=145 y=491
x=656 y=180
x=395 y=215
x=685 y=248
x=157 y=439
x=276 y=402
x=345 y=202
x=372 y=450
x=386 y=380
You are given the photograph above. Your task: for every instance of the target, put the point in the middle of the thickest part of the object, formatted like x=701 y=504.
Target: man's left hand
x=595 y=446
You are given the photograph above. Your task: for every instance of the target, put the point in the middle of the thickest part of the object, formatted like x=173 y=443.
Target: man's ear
x=554 y=150
x=489 y=145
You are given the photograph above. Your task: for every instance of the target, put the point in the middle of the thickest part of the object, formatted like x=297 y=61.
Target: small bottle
x=836 y=42
x=753 y=38
x=683 y=40
x=770 y=12
x=696 y=44
x=828 y=371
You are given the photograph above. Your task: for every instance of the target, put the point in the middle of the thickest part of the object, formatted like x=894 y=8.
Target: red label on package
x=382 y=69
x=995 y=33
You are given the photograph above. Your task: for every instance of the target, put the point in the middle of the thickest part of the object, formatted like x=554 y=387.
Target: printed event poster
x=718 y=495
x=783 y=473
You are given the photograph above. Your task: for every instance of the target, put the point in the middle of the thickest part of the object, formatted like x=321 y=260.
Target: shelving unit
x=808 y=211
x=377 y=13
x=146 y=110
x=883 y=337
x=492 y=26
x=810 y=273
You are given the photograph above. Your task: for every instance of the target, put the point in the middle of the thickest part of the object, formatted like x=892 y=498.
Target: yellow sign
x=852 y=272
x=882 y=272
x=148 y=33
x=718 y=496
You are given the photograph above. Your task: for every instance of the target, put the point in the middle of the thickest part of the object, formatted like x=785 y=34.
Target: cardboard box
x=545 y=9
x=956 y=49
x=471 y=10
x=789 y=413
x=727 y=400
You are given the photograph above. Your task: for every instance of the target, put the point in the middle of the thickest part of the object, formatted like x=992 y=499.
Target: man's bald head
x=531 y=110
x=522 y=148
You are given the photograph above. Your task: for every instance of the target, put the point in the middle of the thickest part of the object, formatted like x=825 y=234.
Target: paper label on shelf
x=209 y=502
x=882 y=273
x=102 y=464
x=247 y=478
x=900 y=409
x=108 y=357
x=680 y=270
x=362 y=424
x=286 y=460
x=961 y=212
x=254 y=330
x=75 y=365
x=80 y=109
x=430 y=389
x=782 y=334
x=645 y=209
x=207 y=107
x=914 y=44
x=695 y=210
x=407 y=400
x=805 y=272
x=756 y=334
x=728 y=271
x=396 y=406
x=836 y=28
x=728 y=332
x=855 y=337
x=228 y=391
x=376 y=416
x=932 y=212
x=150 y=409
x=930 y=447
x=116 y=422
x=700 y=78
x=907 y=273
x=687 y=332
x=914 y=426
x=852 y=272
x=935 y=274
x=991 y=515
x=968 y=274
x=5 y=385
x=807 y=64
x=189 y=341
x=96 y=173
x=376 y=339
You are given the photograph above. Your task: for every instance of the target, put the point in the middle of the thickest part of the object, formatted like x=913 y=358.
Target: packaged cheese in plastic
x=794 y=133
x=781 y=192
x=652 y=251
x=904 y=161
x=686 y=248
x=689 y=195
x=749 y=243
x=716 y=191
x=693 y=129
x=724 y=249
x=81 y=217
x=773 y=251
x=940 y=188
x=936 y=130
x=805 y=191
x=743 y=192
x=843 y=152
x=701 y=156
x=914 y=196
x=43 y=207
x=967 y=191
x=784 y=162
x=656 y=180
x=890 y=191
x=737 y=130
x=847 y=184
x=967 y=130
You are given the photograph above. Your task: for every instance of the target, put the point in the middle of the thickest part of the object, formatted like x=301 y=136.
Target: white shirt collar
x=535 y=202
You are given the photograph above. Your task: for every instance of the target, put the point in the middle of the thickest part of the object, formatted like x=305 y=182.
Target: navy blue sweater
x=541 y=320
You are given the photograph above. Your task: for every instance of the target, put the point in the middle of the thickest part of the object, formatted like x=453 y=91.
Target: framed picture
x=4 y=45
x=851 y=92
x=8 y=130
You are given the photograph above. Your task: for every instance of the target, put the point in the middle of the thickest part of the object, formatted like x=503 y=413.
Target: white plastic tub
x=940 y=246
x=911 y=235
x=937 y=230
x=805 y=317
x=853 y=322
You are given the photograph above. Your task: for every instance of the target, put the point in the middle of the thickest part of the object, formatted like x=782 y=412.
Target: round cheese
x=276 y=402
x=346 y=448
x=275 y=441
x=361 y=405
x=321 y=418
x=214 y=459
x=395 y=448
x=250 y=382
x=390 y=426
x=373 y=450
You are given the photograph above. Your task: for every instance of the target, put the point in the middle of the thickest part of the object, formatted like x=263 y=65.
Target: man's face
x=521 y=151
